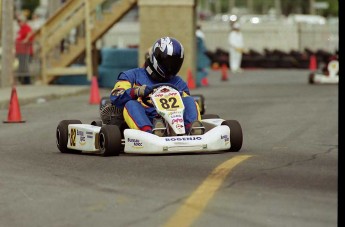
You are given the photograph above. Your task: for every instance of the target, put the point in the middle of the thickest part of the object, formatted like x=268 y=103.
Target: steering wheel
x=148 y=97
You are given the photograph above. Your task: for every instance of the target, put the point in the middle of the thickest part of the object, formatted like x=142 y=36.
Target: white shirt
x=235 y=39
x=36 y=24
x=200 y=34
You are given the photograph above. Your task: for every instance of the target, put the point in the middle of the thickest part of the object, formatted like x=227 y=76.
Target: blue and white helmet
x=165 y=59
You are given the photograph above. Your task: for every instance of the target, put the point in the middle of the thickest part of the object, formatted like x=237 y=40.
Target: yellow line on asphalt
x=198 y=200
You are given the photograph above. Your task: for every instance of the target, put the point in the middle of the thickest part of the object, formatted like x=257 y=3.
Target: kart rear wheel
x=236 y=136
x=110 y=140
x=97 y=123
x=62 y=136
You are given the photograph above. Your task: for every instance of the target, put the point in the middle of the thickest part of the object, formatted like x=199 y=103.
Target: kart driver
x=164 y=61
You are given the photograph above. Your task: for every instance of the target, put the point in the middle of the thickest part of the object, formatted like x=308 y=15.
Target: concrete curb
x=32 y=94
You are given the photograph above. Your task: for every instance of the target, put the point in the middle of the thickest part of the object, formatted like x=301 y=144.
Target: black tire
x=209 y=116
x=62 y=136
x=311 y=78
x=97 y=123
x=104 y=100
x=110 y=140
x=236 y=136
x=200 y=99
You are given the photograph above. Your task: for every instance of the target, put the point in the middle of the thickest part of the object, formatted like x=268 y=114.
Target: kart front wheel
x=62 y=136
x=110 y=140
x=236 y=136
x=311 y=78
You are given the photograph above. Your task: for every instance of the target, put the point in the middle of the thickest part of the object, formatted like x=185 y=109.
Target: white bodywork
x=332 y=78
x=216 y=139
x=84 y=137
x=323 y=79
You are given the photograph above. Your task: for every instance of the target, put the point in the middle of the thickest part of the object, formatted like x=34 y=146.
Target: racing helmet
x=165 y=59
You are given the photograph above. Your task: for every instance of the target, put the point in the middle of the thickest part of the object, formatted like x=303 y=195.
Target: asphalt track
x=285 y=175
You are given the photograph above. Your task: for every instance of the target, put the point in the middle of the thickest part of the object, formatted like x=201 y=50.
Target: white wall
x=282 y=36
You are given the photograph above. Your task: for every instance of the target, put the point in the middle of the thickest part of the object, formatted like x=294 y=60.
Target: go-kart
x=111 y=136
x=329 y=75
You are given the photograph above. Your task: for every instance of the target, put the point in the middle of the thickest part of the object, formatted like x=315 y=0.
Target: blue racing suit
x=137 y=115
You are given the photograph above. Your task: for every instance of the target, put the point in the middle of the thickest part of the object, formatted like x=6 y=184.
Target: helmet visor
x=169 y=66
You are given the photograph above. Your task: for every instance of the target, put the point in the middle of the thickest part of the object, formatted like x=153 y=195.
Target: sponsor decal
x=81 y=137
x=187 y=138
x=172 y=94
x=179 y=126
x=82 y=141
x=226 y=138
x=175 y=115
x=177 y=120
x=172 y=113
x=158 y=95
x=136 y=143
x=164 y=90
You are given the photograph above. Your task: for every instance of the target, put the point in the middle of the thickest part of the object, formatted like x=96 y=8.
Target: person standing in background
x=236 y=43
x=199 y=32
x=24 y=49
x=203 y=61
x=37 y=21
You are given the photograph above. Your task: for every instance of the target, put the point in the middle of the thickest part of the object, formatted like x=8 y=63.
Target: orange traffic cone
x=312 y=63
x=215 y=66
x=204 y=81
x=94 y=93
x=14 y=115
x=224 y=72
x=190 y=80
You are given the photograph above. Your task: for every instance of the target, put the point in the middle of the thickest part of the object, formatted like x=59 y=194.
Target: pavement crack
x=176 y=201
x=239 y=181
x=312 y=157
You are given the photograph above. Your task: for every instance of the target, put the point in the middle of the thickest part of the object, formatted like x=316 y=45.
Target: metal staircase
x=84 y=20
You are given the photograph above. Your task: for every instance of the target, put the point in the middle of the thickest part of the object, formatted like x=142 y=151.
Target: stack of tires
x=114 y=61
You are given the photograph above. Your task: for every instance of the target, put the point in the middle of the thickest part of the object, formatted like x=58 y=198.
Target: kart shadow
x=152 y=155
x=176 y=154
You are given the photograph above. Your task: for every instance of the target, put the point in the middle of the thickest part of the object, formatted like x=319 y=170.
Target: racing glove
x=141 y=91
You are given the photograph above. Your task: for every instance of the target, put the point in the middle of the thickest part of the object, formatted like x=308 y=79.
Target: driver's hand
x=143 y=90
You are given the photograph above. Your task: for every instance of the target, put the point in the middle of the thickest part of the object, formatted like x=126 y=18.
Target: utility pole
x=311 y=7
x=250 y=6
x=217 y=6
x=278 y=7
x=7 y=44
x=231 y=5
